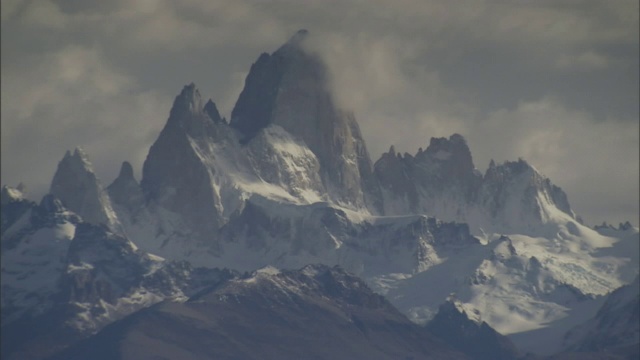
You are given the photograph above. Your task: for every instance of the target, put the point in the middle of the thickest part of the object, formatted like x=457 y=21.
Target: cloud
x=45 y=14
x=555 y=82
x=377 y=78
x=404 y=105
x=588 y=60
x=74 y=99
x=593 y=161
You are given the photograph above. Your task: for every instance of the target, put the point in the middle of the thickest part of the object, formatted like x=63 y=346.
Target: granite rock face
x=174 y=176
x=477 y=340
x=125 y=191
x=290 y=88
x=76 y=185
x=64 y=279
x=290 y=236
x=442 y=181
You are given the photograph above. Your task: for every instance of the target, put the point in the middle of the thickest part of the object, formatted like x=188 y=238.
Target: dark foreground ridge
x=316 y=312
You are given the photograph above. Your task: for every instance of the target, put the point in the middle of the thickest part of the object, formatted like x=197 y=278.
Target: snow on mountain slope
x=63 y=279
x=198 y=173
x=474 y=338
x=288 y=182
x=284 y=235
x=442 y=181
x=616 y=326
x=290 y=88
x=34 y=250
x=519 y=284
x=273 y=165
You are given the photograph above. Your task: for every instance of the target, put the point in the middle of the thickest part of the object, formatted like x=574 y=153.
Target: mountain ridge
x=288 y=181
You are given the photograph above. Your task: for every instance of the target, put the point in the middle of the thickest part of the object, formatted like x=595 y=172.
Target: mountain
x=35 y=242
x=288 y=182
x=442 y=181
x=290 y=236
x=316 y=312
x=125 y=191
x=76 y=184
x=63 y=279
x=290 y=88
x=477 y=340
x=616 y=327
x=286 y=140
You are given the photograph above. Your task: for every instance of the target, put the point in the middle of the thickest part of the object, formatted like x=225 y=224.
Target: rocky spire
x=125 y=190
x=76 y=185
x=476 y=339
x=189 y=116
x=188 y=101
x=211 y=109
x=290 y=88
x=500 y=183
x=174 y=175
x=452 y=155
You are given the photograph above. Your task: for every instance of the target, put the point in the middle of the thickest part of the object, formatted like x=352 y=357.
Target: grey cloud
x=555 y=82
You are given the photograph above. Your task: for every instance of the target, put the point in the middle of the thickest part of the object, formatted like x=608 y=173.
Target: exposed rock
x=174 y=176
x=477 y=340
x=80 y=191
x=289 y=88
x=125 y=190
x=315 y=312
x=616 y=327
x=443 y=182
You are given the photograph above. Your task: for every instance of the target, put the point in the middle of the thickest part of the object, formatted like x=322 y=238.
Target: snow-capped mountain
x=476 y=339
x=289 y=182
x=315 y=312
x=442 y=181
x=290 y=88
x=286 y=141
x=35 y=242
x=76 y=183
x=63 y=279
x=615 y=328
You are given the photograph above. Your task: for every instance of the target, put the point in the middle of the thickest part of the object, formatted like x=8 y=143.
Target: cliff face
x=76 y=185
x=289 y=88
x=442 y=181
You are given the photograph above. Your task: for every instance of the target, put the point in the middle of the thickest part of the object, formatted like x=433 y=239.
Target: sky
x=554 y=82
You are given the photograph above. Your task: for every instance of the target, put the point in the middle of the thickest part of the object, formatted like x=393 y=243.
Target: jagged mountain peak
x=73 y=167
x=211 y=109
x=290 y=88
x=473 y=337
x=76 y=185
x=77 y=159
x=125 y=190
x=442 y=181
x=126 y=171
x=533 y=183
x=189 y=116
x=516 y=167
x=189 y=100
x=392 y=150
x=258 y=102
x=453 y=151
